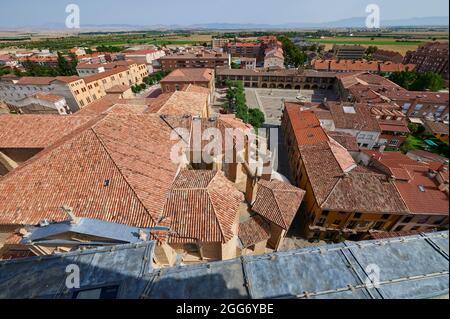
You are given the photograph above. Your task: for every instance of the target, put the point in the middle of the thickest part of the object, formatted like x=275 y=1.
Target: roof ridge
x=278 y=207
x=214 y=208
x=82 y=128
x=122 y=175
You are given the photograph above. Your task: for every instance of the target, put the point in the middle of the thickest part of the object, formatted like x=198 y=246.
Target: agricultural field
x=385 y=43
x=65 y=42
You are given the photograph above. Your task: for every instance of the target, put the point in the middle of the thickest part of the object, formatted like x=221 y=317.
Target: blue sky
x=15 y=13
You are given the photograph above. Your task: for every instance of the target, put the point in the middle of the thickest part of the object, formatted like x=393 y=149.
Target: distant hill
x=357 y=22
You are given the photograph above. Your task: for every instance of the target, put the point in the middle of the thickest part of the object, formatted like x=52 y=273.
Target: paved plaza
x=271 y=101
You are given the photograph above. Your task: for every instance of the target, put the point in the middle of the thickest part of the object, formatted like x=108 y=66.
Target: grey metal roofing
x=410 y=267
x=87 y=226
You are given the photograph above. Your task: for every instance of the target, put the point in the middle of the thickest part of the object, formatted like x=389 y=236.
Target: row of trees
x=238 y=104
x=293 y=56
x=149 y=81
x=155 y=77
x=138 y=87
x=414 y=81
x=64 y=67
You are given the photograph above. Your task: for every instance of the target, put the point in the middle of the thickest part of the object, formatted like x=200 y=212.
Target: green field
x=401 y=45
x=93 y=41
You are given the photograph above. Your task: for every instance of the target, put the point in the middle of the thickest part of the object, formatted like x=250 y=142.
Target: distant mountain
x=356 y=22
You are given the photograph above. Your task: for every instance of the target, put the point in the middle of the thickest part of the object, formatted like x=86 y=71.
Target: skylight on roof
x=349 y=110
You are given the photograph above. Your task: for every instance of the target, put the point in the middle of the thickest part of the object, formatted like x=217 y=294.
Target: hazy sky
x=148 y=12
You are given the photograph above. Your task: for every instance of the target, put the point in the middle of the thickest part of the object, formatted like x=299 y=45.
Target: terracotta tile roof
x=278 y=202
x=189 y=75
x=99 y=106
x=199 y=55
x=196 y=89
x=418 y=190
x=118 y=89
x=358 y=119
x=253 y=231
x=428 y=156
x=121 y=108
x=306 y=126
x=120 y=171
x=139 y=52
x=202 y=206
x=393 y=126
x=349 y=192
x=28 y=80
x=396 y=67
x=437 y=127
x=37 y=131
x=48 y=97
x=179 y=103
x=99 y=76
x=352 y=65
x=346 y=140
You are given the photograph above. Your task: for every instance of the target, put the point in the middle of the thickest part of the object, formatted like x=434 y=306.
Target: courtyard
x=271 y=101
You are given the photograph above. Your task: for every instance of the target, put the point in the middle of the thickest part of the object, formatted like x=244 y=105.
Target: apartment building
x=274 y=58
x=246 y=63
x=343 y=200
x=13 y=89
x=430 y=57
x=148 y=57
x=201 y=59
x=371 y=88
x=245 y=49
x=354 y=119
x=352 y=52
x=375 y=67
x=437 y=129
x=179 y=78
x=40 y=103
x=422 y=186
x=279 y=79
x=219 y=44
x=78 y=91
x=393 y=125
x=388 y=56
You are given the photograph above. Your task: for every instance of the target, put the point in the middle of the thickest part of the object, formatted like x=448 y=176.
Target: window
x=322 y=221
x=97 y=293
x=399 y=228
x=385 y=216
x=407 y=220
x=352 y=224
x=191 y=248
x=418 y=107
x=438 y=221
x=378 y=226
x=358 y=215
x=337 y=222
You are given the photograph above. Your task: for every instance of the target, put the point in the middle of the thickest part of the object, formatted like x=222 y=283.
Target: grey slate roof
x=86 y=226
x=410 y=267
